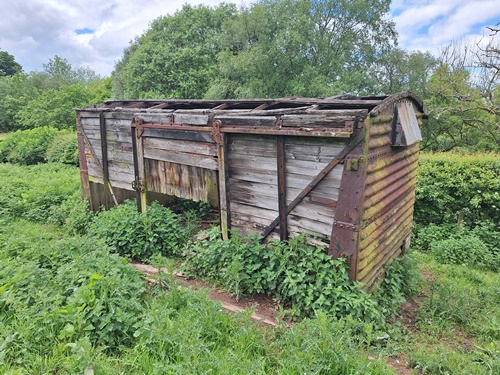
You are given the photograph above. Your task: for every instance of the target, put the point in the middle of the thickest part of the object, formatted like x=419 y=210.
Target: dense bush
x=298 y=274
x=39 y=145
x=36 y=192
x=459 y=244
x=27 y=146
x=63 y=149
x=62 y=290
x=465 y=250
x=453 y=187
x=140 y=235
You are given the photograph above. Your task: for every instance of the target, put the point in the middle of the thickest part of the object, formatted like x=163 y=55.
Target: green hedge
x=39 y=145
x=452 y=187
x=27 y=146
x=63 y=149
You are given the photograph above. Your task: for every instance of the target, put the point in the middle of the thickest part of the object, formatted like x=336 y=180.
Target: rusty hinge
x=138 y=185
x=343 y=225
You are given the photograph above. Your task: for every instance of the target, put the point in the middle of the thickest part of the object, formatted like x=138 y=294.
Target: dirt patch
x=401 y=366
x=408 y=314
x=265 y=309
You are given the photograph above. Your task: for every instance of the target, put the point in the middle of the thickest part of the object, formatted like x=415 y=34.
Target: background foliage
x=455 y=187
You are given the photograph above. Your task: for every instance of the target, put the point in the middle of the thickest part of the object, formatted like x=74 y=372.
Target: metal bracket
x=215 y=133
x=279 y=122
x=139 y=128
x=353 y=163
x=348 y=226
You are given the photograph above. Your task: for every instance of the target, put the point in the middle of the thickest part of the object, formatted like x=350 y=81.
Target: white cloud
x=34 y=31
x=428 y=25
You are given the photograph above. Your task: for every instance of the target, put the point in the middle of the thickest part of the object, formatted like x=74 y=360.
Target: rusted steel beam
x=104 y=156
x=141 y=125
x=336 y=160
x=283 y=223
x=344 y=237
x=304 y=132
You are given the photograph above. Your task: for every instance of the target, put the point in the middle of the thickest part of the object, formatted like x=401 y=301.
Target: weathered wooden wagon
x=342 y=169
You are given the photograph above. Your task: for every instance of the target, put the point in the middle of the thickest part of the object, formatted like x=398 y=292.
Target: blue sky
x=93 y=33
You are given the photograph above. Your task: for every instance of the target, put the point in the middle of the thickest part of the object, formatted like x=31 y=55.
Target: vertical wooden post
x=82 y=158
x=224 y=207
x=283 y=222
x=139 y=168
x=104 y=158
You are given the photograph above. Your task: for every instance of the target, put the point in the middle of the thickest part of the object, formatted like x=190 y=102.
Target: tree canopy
x=47 y=98
x=176 y=57
x=268 y=49
x=8 y=65
x=301 y=47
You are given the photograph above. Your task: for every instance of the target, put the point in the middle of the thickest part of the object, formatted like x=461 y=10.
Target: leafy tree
x=15 y=91
x=47 y=98
x=175 y=58
x=54 y=107
x=400 y=70
x=302 y=47
x=464 y=99
x=8 y=65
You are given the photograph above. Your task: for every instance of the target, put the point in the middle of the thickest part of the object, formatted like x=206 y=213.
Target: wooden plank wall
x=305 y=158
x=253 y=187
x=178 y=163
x=120 y=157
x=184 y=168
x=253 y=182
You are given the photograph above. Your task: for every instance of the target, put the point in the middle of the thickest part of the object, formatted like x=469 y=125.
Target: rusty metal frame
x=139 y=184
x=136 y=184
x=305 y=132
x=346 y=224
x=140 y=125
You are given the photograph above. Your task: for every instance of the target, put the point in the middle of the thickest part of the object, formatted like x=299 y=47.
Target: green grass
x=458 y=322
x=69 y=305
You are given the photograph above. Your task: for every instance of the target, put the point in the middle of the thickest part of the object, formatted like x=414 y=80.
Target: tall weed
x=33 y=192
x=138 y=235
x=59 y=290
x=300 y=275
x=27 y=146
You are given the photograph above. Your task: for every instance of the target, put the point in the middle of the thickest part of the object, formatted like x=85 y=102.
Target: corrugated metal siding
x=388 y=200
